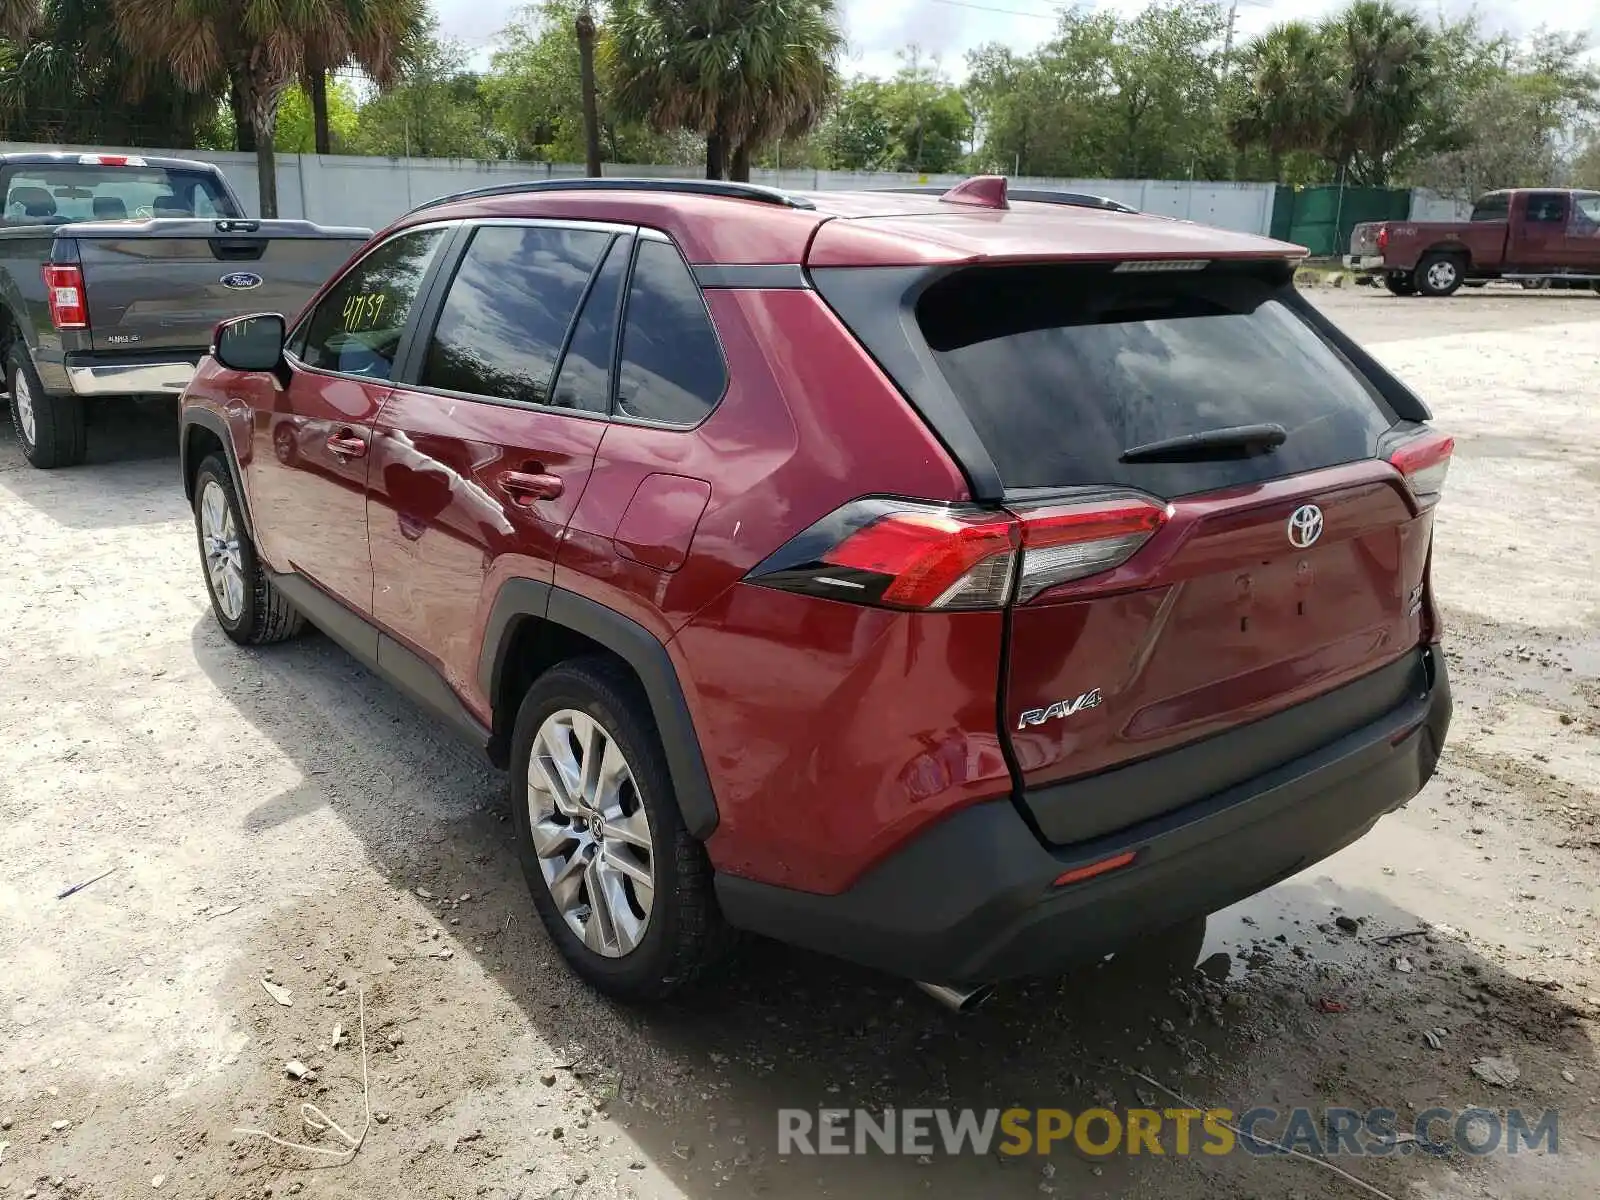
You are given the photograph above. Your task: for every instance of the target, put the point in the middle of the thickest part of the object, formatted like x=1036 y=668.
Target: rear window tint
x=1062 y=369
x=672 y=368
x=1492 y=208
x=56 y=195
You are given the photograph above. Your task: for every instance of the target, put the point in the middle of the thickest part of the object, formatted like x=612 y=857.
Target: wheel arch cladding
x=204 y=432
x=528 y=615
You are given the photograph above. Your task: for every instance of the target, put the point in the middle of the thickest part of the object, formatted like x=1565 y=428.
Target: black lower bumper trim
x=973 y=900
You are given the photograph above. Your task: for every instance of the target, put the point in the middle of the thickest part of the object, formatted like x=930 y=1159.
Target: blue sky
x=947 y=29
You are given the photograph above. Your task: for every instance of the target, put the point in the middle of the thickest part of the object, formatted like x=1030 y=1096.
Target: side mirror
x=252 y=343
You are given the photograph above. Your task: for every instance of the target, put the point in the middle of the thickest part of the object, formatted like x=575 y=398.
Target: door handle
x=347 y=445
x=527 y=487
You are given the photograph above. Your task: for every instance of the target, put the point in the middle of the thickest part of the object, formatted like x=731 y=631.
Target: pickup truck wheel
x=1401 y=283
x=624 y=891
x=1439 y=275
x=249 y=608
x=50 y=429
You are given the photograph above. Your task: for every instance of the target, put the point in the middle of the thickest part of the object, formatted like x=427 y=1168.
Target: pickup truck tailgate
x=164 y=284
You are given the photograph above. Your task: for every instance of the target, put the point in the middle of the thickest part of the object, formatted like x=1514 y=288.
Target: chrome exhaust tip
x=960 y=1000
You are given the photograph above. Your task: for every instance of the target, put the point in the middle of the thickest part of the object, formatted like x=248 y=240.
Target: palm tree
x=583 y=26
x=376 y=35
x=259 y=45
x=69 y=79
x=18 y=19
x=1386 y=73
x=741 y=72
x=1287 y=100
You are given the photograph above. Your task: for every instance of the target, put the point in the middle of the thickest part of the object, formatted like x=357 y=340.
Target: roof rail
x=689 y=187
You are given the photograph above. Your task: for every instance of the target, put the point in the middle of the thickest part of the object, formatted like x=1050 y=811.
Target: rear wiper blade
x=1238 y=441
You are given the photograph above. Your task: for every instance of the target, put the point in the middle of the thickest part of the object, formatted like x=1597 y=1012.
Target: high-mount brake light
x=63 y=289
x=1147 y=266
x=110 y=160
x=1424 y=461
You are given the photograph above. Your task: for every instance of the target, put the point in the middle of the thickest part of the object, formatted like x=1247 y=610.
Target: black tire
x=265 y=614
x=1400 y=283
x=1440 y=274
x=685 y=933
x=60 y=431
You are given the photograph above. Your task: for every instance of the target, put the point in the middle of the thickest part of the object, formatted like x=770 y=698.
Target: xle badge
x=1060 y=709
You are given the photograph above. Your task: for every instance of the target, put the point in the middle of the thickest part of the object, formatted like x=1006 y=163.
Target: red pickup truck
x=1529 y=236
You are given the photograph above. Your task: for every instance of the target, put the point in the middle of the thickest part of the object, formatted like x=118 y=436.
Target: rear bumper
x=1363 y=262
x=97 y=377
x=973 y=900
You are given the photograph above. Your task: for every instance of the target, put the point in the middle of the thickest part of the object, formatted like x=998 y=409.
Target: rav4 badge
x=1060 y=709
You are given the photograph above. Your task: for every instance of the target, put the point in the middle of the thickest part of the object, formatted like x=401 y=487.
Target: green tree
x=379 y=36
x=534 y=91
x=1384 y=84
x=1586 y=164
x=69 y=79
x=1048 y=113
x=258 y=46
x=1516 y=122
x=927 y=117
x=438 y=110
x=297 y=122
x=855 y=135
x=740 y=72
x=1164 y=71
x=1285 y=100
x=915 y=121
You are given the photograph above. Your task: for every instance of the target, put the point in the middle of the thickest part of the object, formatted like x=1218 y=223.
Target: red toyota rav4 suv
x=958 y=586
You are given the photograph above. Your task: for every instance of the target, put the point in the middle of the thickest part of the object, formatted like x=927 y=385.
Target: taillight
x=63 y=287
x=1063 y=543
x=1383 y=238
x=1424 y=461
x=911 y=555
x=900 y=554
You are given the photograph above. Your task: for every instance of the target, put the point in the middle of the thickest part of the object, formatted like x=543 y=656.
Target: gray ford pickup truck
x=114 y=271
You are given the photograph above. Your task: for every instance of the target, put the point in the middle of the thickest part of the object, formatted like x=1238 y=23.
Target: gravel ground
x=282 y=815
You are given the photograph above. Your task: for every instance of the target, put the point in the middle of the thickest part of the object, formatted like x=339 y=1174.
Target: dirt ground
x=283 y=815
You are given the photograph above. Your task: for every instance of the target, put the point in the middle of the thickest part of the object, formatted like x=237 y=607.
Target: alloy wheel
x=591 y=833
x=219 y=537
x=1442 y=275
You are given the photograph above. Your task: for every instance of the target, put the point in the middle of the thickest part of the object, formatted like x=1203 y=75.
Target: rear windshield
x=58 y=195
x=1492 y=208
x=1063 y=369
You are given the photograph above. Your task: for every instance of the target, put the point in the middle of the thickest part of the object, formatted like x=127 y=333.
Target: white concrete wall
x=341 y=190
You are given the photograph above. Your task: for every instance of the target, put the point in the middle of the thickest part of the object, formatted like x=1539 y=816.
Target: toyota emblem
x=1305 y=526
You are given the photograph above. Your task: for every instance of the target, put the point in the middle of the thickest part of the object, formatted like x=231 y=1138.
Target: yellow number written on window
x=364 y=311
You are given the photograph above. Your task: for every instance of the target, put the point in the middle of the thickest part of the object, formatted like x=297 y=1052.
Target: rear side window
x=585 y=379
x=58 y=195
x=504 y=321
x=1063 y=369
x=1492 y=208
x=1549 y=208
x=356 y=327
x=672 y=369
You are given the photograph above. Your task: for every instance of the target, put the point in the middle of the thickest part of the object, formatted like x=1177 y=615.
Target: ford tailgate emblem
x=241 y=281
